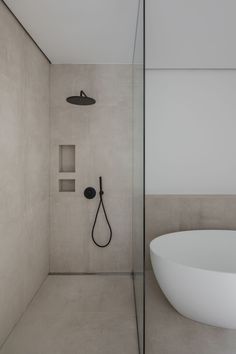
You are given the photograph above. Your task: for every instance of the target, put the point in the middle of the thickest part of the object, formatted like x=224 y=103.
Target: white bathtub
x=196 y=271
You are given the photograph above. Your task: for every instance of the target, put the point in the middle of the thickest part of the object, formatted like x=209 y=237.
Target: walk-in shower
x=90 y=192
x=71 y=219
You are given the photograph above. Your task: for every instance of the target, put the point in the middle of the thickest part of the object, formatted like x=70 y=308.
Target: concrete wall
x=102 y=135
x=172 y=213
x=24 y=177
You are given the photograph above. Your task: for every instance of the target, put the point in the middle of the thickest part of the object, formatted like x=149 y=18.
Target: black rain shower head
x=81 y=100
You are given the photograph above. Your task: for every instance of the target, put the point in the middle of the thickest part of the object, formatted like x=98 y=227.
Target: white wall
x=190 y=34
x=190 y=114
x=190 y=131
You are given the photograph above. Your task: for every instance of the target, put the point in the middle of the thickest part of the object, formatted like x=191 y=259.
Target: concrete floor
x=167 y=332
x=85 y=314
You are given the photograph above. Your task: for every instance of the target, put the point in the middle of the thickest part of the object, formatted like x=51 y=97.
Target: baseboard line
x=89 y=273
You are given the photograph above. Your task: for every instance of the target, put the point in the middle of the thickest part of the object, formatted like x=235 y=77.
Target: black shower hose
x=101 y=204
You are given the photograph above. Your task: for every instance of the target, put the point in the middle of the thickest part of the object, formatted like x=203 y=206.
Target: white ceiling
x=80 y=31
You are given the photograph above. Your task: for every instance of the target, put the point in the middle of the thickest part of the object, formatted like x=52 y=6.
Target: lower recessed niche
x=66 y=185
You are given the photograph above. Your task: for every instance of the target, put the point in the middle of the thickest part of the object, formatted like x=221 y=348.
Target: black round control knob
x=89 y=193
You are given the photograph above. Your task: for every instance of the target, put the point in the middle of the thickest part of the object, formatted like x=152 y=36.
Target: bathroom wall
x=190 y=34
x=171 y=213
x=102 y=135
x=191 y=132
x=190 y=116
x=190 y=151
x=24 y=177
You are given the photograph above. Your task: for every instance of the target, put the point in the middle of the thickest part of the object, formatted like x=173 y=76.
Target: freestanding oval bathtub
x=196 y=271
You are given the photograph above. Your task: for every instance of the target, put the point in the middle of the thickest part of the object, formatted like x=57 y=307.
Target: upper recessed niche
x=66 y=158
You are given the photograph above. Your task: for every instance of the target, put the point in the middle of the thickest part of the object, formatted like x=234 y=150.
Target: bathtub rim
x=169 y=260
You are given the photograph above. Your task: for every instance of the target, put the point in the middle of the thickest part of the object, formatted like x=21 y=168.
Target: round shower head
x=81 y=100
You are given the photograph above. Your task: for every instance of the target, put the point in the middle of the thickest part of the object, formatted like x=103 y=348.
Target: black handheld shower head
x=81 y=100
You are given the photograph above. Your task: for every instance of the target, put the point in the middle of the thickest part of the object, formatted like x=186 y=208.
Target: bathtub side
x=201 y=295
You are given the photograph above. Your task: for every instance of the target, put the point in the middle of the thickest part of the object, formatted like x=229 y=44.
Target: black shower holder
x=101 y=207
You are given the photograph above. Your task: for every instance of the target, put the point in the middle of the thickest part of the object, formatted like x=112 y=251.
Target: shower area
x=71 y=215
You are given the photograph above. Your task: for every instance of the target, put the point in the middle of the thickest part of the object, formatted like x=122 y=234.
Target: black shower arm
x=82 y=93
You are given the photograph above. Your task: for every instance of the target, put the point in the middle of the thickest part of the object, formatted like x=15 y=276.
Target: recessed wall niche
x=66 y=185
x=66 y=158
